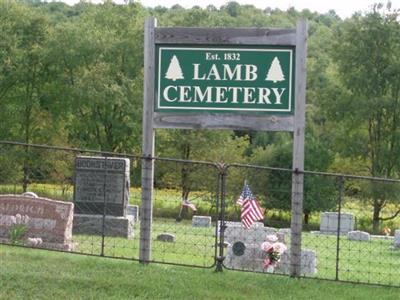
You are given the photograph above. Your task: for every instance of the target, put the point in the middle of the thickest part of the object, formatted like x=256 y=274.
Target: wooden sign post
x=224 y=78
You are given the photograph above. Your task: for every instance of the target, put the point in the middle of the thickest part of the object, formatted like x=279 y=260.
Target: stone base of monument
x=56 y=246
x=113 y=226
x=46 y=245
x=308 y=263
x=250 y=258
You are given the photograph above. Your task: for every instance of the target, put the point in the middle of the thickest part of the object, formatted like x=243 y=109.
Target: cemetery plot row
x=196 y=215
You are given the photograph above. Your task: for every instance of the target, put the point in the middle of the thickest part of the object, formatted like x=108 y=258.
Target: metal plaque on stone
x=101 y=185
x=238 y=248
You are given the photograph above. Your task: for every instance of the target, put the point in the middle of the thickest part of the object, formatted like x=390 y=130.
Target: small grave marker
x=201 y=221
x=358 y=236
x=166 y=237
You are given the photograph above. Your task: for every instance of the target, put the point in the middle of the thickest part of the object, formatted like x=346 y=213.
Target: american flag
x=251 y=210
x=189 y=204
x=246 y=194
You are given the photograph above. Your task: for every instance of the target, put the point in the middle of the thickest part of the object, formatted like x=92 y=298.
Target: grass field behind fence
x=167 y=203
x=38 y=274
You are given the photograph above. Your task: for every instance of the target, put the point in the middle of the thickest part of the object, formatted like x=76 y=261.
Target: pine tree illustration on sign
x=174 y=71
x=275 y=73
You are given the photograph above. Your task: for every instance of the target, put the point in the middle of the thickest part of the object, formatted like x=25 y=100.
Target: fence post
x=25 y=180
x=298 y=149
x=340 y=198
x=146 y=216
x=103 y=225
x=222 y=187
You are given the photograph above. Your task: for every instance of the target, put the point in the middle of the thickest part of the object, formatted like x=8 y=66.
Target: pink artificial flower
x=280 y=247
x=267 y=262
x=266 y=246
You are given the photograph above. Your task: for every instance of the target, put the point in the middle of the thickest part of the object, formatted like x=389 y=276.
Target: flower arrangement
x=274 y=250
x=386 y=231
x=18 y=228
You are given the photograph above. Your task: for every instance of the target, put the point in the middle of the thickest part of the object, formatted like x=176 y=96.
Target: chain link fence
x=350 y=223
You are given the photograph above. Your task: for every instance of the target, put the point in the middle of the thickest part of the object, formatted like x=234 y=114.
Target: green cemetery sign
x=225 y=79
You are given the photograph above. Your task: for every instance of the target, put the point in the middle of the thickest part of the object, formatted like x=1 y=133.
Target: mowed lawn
x=367 y=262
x=38 y=274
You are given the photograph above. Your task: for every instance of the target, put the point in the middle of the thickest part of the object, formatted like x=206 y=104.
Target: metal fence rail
x=349 y=222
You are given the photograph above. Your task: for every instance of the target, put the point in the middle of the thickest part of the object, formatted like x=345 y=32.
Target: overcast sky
x=344 y=8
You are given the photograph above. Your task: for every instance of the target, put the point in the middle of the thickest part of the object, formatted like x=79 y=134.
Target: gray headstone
x=166 y=237
x=133 y=210
x=92 y=176
x=358 y=236
x=252 y=256
x=253 y=235
x=397 y=238
x=238 y=224
x=201 y=221
x=329 y=222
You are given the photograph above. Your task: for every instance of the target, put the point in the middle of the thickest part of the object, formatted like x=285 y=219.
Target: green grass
x=194 y=246
x=367 y=262
x=37 y=274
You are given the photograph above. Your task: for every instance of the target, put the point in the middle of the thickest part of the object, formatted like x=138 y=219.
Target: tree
x=275 y=72
x=275 y=186
x=174 y=71
x=209 y=145
x=26 y=72
x=368 y=60
x=101 y=76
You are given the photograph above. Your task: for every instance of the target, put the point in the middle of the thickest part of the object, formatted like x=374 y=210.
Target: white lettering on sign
x=200 y=96
x=223 y=94
x=237 y=73
x=166 y=93
x=278 y=94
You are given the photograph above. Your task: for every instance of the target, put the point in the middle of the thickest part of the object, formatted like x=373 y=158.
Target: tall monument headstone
x=101 y=196
x=101 y=185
